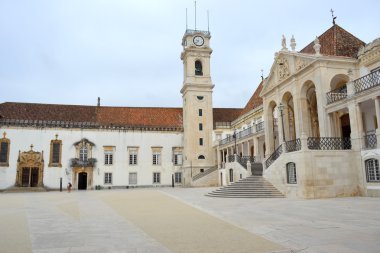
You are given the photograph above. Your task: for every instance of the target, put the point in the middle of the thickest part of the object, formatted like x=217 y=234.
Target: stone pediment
x=285 y=65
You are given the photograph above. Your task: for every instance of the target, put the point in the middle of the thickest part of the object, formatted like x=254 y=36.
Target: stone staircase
x=250 y=187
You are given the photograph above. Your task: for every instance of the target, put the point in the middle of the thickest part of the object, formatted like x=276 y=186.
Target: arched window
x=291 y=173
x=198 y=68
x=201 y=157
x=372 y=170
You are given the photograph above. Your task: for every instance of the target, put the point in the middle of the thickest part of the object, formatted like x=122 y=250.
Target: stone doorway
x=82 y=181
x=30 y=167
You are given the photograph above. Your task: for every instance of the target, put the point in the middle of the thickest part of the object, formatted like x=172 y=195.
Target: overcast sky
x=128 y=52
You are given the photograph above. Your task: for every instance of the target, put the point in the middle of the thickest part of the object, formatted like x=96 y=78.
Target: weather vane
x=332 y=15
x=262 y=75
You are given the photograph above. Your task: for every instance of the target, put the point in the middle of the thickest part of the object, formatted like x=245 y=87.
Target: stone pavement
x=117 y=221
x=340 y=225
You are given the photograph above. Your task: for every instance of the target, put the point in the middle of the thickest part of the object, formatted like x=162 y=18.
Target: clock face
x=198 y=40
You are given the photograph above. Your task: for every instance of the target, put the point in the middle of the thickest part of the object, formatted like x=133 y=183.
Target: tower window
x=198 y=68
x=201 y=141
x=200 y=97
x=200 y=126
x=200 y=112
x=201 y=157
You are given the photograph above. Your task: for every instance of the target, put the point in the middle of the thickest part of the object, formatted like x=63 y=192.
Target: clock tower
x=197 y=104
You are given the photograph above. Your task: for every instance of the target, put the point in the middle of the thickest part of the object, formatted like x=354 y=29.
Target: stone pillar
x=256 y=147
x=219 y=159
x=304 y=142
x=355 y=135
x=249 y=169
x=377 y=107
x=286 y=122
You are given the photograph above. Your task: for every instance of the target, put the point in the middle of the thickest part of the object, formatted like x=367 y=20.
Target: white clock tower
x=197 y=104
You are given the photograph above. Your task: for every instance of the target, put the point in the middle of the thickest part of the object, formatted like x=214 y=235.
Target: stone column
x=256 y=147
x=219 y=159
x=377 y=107
x=355 y=135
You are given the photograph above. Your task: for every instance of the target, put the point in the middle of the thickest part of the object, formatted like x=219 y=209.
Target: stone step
x=250 y=187
x=25 y=189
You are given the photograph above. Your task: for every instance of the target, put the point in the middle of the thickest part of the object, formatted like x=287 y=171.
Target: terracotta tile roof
x=117 y=116
x=29 y=111
x=336 y=42
x=254 y=101
x=226 y=114
x=140 y=116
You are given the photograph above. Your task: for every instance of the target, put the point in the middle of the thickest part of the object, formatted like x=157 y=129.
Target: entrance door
x=34 y=177
x=346 y=130
x=25 y=177
x=82 y=181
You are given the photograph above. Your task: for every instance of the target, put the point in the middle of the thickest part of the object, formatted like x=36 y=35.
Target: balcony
x=337 y=94
x=244 y=133
x=367 y=82
x=359 y=85
x=76 y=162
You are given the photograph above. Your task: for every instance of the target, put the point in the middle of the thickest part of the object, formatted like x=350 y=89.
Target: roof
x=254 y=101
x=154 y=117
x=336 y=42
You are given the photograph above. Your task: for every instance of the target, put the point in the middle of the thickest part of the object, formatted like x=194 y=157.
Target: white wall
x=22 y=138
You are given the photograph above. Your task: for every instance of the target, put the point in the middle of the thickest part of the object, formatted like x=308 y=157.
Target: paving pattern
x=133 y=221
x=339 y=225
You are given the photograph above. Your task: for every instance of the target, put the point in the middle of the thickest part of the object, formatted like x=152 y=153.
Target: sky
x=128 y=52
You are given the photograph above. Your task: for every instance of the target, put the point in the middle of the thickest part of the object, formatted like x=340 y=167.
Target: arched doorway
x=30 y=167
x=289 y=121
x=82 y=180
x=231 y=175
x=309 y=107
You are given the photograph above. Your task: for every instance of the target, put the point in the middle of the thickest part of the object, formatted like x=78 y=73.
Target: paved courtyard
x=184 y=220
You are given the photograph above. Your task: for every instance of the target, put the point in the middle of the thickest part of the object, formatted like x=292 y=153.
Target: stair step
x=250 y=187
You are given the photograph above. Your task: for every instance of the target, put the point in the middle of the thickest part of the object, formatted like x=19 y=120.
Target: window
x=133 y=157
x=198 y=68
x=4 y=151
x=177 y=158
x=201 y=157
x=200 y=112
x=132 y=178
x=156 y=158
x=55 y=152
x=291 y=173
x=200 y=126
x=156 y=177
x=178 y=177
x=200 y=97
x=231 y=175
x=201 y=141
x=372 y=169
x=107 y=178
x=83 y=152
x=108 y=157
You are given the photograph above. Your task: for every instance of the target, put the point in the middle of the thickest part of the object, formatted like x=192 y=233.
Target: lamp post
x=281 y=109
x=234 y=136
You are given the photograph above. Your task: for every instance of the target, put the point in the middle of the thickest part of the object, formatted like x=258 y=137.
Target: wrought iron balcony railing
x=244 y=133
x=243 y=160
x=328 y=143
x=337 y=94
x=367 y=82
x=370 y=140
x=293 y=145
x=76 y=162
x=274 y=156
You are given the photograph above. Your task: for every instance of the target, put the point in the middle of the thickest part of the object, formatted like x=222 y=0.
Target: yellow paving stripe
x=14 y=231
x=182 y=228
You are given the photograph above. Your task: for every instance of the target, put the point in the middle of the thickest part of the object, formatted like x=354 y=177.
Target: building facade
x=310 y=128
